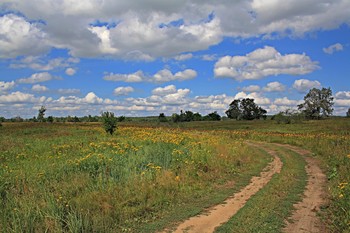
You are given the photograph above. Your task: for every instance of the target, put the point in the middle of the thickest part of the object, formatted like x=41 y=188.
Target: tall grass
x=76 y=178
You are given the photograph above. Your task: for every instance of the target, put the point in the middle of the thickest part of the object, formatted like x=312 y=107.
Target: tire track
x=221 y=213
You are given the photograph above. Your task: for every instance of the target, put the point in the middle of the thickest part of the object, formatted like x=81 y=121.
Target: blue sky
x=141 y=58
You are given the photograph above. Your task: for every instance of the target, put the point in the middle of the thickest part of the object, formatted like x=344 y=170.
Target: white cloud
x=129 y=78
x=258 y=98
x=165 y=75
x=20 y=97
x=39 y=88
x=92 y=98
x=19 y=37
x=251 y=88
x=343 y=94
x=37 y=78
x=161 y=76
x=123 y=90
x=304 y=85
x=333 y=48
x=70 y=71
x=183 y=57
x=38 y=63
x=5 y=86
x=263 y=62
x=274 y=87
x=286 y=102
x=161 y=91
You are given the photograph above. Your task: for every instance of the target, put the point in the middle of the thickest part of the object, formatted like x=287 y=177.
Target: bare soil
x=304 y=218
x=220 y=214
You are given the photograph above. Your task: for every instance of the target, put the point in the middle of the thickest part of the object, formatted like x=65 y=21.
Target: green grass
x=267 y=210
x=76 y=178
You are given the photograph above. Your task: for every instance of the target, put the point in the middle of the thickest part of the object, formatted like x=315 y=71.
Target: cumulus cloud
x=343 y=94
x=304 y=85
x=251 y=88
x=37 y=78
x=6 y=86
x=138 y=76
x=20 y=97
x=183 y=57
x=258 y=98
x=19 y=37
x=70 y=71
x=286 y=102
x=263 y=62
x=39 y=88
x=333 y=48
x=342 y=99
x=274 y=87
x=42 y=64
x=123 y=90
x=158 y=28
x=161 y=76
x=161 y=91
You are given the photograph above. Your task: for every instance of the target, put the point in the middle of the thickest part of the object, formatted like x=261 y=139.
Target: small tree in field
x=109 y=122
x=41 y=114
x=348 y=113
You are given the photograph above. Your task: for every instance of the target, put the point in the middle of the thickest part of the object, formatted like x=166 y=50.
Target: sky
x=146 y=57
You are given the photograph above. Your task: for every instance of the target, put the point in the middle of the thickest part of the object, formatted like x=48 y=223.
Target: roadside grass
x=267 y=210
x=76 y=178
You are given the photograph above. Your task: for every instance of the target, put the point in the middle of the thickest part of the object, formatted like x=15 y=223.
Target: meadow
x=73 y=177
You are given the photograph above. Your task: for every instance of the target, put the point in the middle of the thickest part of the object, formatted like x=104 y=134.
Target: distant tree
x=188 y=116
x=348 y=113
x=41 y=114
x=121 y=118
x=176 y=118
x=109 y=122
x=162 y=117
x=317 y=103
x=288 y=117
x=2 y=119
x=50 y=119
x=197 y=117
x=214 y=116
x=234 y=111
x=245 y=109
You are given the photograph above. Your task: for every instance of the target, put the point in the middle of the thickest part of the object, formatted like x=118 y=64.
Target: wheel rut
x=303 y=219
x=221 y=213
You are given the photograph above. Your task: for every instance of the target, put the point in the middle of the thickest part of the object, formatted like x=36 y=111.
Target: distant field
x=76 y=178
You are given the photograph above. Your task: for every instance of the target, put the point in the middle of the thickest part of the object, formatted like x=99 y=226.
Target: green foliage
x=109 y=122
x=288 y=117
x=348 y=113
x=121 y=118
x=214 y=116
x=50 y=119
x=318 y=103
x=162 y=117
x=41 y=114
x=245 y=109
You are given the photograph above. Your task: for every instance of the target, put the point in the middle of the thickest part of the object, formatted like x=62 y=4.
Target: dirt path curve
x=304 y=218
x=220 y=214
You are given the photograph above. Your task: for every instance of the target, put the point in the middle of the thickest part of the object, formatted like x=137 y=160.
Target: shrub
x=109 y=122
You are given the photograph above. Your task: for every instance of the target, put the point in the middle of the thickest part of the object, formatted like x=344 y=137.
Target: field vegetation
x=74 y=177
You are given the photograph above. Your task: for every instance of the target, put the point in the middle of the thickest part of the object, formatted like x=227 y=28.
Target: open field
x=151 y=176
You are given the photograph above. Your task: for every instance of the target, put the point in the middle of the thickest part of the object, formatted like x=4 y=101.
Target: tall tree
x=41 y=114
x=317 y=103
x=234 y=111
x=348 y=113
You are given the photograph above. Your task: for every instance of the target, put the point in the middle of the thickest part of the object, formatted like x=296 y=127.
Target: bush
x=288 y=117
x=109 y=122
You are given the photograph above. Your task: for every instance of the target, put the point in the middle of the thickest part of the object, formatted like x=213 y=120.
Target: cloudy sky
x=144 y=57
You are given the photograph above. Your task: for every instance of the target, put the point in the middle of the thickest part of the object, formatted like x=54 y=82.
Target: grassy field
x=76 y=178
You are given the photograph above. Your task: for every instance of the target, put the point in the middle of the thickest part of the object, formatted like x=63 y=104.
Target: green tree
x=348 y=113
x=176 y=118
x=41 y=114
x=162 y=117
x=109 y=122
x=245 y=109
x=214 y=116
x=234 y=111
x=50 y=119
x=317 y=103
x=197 y=117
